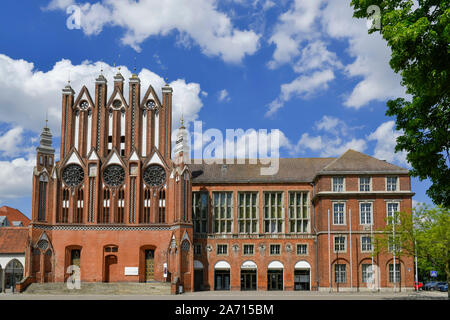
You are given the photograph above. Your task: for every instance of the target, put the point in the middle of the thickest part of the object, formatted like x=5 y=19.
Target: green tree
x=419 y=37
x=425 y=232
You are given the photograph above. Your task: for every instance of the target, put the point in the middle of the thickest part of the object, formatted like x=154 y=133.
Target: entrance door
x=198 y=279
x=222 y=280
x=109 y=262
x=301 y=280
x=149 y=265
x=75 y=257
x=13 y=274
x=275 y=280
x=248 y=280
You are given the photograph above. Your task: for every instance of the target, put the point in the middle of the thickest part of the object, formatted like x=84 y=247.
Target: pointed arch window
x=147 y=205
x=78 y=212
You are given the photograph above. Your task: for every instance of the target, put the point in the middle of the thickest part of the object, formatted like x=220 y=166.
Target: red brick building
x=119 y=207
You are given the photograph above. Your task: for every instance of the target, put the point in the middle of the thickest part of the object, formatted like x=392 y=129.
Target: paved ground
x=238 y=295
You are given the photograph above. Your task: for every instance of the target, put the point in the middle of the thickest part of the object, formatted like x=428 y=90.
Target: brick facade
x=119 y=207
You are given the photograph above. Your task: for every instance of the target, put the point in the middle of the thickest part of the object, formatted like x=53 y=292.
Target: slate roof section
x=14 y=215
x=291 y=170
x=13 y=239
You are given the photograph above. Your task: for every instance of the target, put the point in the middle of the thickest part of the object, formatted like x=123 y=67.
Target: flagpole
x=351 y=258
x=329 y=253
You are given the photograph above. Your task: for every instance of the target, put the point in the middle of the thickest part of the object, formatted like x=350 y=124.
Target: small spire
x=46 y=119
x=182 y=122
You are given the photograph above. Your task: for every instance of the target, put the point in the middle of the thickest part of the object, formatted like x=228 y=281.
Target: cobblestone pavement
x=238 y=295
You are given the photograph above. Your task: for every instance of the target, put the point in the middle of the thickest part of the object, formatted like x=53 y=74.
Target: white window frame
x=345 y=243
x=221 y=206
x=396 y=183
x=249 y=209
x=269 y=208
x=359 y=183
x=387 y=207
x=371 y=213
x=253 y=250
x=368 y=274
x=197 y=245
x=345 y=272
x=217 y=249
x=343 y=183
x=371 y=243
x=270 y=249
x=301 y=244
x=332 y=210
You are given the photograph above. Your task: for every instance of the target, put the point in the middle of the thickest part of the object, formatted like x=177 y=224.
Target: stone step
x=152 y=288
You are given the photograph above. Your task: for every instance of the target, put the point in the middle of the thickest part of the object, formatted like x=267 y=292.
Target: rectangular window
x=222 y=249
x=367 y=273
x=338 y=184
x=392 y=209
x=338 y=213
x=302 y=249
x=197 y=249
x=364 y=183
x=366 y=244
x=397 y=273
x=223 y=212
x=275 y=249
x=339 y=244
x=249 y=249
x=298 y=212
x=393 y=245
x=273 y=212
x=339 y=273
x=200 y=211
x=391 y=183
x=365 y=210
x=248 y=212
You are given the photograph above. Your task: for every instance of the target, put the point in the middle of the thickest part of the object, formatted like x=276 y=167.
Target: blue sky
x=305 y=67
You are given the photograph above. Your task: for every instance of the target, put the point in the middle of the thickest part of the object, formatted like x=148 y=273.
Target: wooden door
x=149 y=265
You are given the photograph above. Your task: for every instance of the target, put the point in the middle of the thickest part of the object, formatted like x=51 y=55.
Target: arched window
x=13 y=273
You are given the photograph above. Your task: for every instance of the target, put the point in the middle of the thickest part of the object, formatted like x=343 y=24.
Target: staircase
x=100 y=288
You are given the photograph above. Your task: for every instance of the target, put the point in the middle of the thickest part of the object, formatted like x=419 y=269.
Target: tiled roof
x=13 y=239
x=353 y=160
x=14 y=215
x=291 y=170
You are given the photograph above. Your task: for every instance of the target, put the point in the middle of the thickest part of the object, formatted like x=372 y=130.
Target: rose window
x=73 y=175
x=114 y=175
x=154 y=175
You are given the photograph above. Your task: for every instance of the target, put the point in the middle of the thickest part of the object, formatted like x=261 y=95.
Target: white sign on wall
x=131 y=271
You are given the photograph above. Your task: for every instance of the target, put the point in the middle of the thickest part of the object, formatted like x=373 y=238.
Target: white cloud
x=10 y=142
x=16 y=177
x=198 y=20
x=303 y=87
x=327 y=146
x=268 y=4
x=299 y=40
x=26 y=93
x=371 y=55
x=293 y=27
x=385 y=136
x=223 y=96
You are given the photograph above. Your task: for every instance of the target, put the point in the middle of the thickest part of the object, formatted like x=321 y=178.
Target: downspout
x=316 y=240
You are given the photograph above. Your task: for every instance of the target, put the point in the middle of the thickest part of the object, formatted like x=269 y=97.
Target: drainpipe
x=316 y=240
